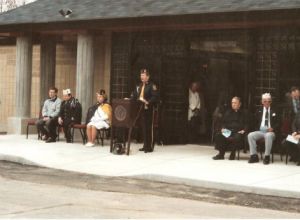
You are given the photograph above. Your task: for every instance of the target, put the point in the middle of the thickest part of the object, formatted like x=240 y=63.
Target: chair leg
x=238 y=154
x=72 y=134
x=82 y=135
x=27 y=131
x=286 y=158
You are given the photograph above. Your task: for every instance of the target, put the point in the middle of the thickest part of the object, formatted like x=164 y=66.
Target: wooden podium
x=125 y=113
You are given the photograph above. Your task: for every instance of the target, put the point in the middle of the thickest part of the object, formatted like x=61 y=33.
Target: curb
x=178 y=180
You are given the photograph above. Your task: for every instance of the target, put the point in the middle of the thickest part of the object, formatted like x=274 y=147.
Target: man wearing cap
x=70 y=113
x=266 y=125
x=98 y=116
x=147 y=94
x=51 y=108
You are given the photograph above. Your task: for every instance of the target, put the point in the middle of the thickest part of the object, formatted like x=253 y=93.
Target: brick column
x=16 y=125
x=47 y=67
x=85 y=71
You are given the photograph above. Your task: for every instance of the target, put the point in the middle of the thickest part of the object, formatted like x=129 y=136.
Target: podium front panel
x=124 y=112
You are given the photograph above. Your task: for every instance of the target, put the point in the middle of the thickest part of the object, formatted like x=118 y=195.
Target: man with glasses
x=266 y=125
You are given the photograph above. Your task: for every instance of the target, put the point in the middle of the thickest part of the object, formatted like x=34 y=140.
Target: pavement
x=181 y=164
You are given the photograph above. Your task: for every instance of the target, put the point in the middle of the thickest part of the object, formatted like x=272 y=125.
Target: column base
x=16 y=125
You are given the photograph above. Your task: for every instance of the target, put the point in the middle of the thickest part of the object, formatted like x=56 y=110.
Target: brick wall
x=65 y=75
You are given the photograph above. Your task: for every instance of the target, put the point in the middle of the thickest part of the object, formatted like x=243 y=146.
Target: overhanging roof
x=46 y=11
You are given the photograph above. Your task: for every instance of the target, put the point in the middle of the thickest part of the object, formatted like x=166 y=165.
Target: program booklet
x=291 y=139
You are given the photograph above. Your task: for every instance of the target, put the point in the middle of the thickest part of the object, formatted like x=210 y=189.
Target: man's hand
x=46 y=118
x=294 y=134
x=60 y=121
x=270 y=130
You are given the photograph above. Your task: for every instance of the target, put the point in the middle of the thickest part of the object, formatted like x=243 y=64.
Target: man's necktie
x=267 y=118
x=142 y=92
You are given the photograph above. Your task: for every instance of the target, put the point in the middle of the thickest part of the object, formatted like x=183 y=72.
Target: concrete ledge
x=178 y=180
x=16 y=125
x=221 y=186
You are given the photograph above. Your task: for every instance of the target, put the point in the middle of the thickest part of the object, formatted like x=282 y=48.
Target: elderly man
x=266 y=125
x=233 y=127
x=70 y=113
x=51 y=108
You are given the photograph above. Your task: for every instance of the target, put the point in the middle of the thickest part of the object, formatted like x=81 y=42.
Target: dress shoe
x=45 y=137
x=218 y=157
x=232 y=156
x=253 y=159
x=50 y=140
x=142 y=149
x=266 y=160
x=148 y=151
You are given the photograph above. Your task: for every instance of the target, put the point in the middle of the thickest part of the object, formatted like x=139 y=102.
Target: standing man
x=233 y=127
x=51 y=108
x=70 y=113
x=147 y=94
x=266 y=125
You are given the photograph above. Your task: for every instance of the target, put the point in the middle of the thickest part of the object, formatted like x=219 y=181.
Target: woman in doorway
x=98 y=117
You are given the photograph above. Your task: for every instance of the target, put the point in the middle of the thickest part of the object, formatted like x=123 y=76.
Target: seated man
x=293 y=149
x=233 y=127
x=47 y=125
x=266 y=125
x=99 y=116
x=70 y=113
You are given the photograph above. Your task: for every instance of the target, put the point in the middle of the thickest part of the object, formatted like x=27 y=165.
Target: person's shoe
x=45 y=137
x=50 y=140
x=253 y=159
x=218 y=157
x=148 y=151
x=89 y=144
x=232 y=156
x=142 y=149
x=69 y=141
x=266 y=160
x=292 y=159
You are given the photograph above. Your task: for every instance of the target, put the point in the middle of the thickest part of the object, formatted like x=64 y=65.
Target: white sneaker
x=89 y=144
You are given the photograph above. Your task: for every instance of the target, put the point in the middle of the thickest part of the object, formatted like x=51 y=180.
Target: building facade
x=240 y=48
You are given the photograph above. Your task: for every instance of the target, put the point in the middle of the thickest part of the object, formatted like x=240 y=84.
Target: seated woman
x=293 y=148
x=98 y=117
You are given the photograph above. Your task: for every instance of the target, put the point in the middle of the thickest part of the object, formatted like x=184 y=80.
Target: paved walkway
x=184 y=164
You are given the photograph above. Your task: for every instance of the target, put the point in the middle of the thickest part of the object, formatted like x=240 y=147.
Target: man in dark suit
x=266 y=125
x=293 y=149
x=293 y=102
x=70 y=113
x=235 y=122
x=147 y=94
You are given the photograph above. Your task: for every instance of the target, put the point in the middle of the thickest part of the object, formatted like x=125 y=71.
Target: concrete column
x=47 y=67
x=85 y=71
x=107 y=62
x=16 y=125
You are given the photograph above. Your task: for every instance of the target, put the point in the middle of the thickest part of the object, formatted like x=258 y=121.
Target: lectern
x=125 y=115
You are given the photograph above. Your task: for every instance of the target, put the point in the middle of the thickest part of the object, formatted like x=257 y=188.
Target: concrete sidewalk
x=183 y=164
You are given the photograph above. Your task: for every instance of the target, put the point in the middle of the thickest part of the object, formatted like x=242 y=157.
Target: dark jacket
x=150 y=92
x=274 y=118
x=235 y=121
x=296 y=123
x=71 y=110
